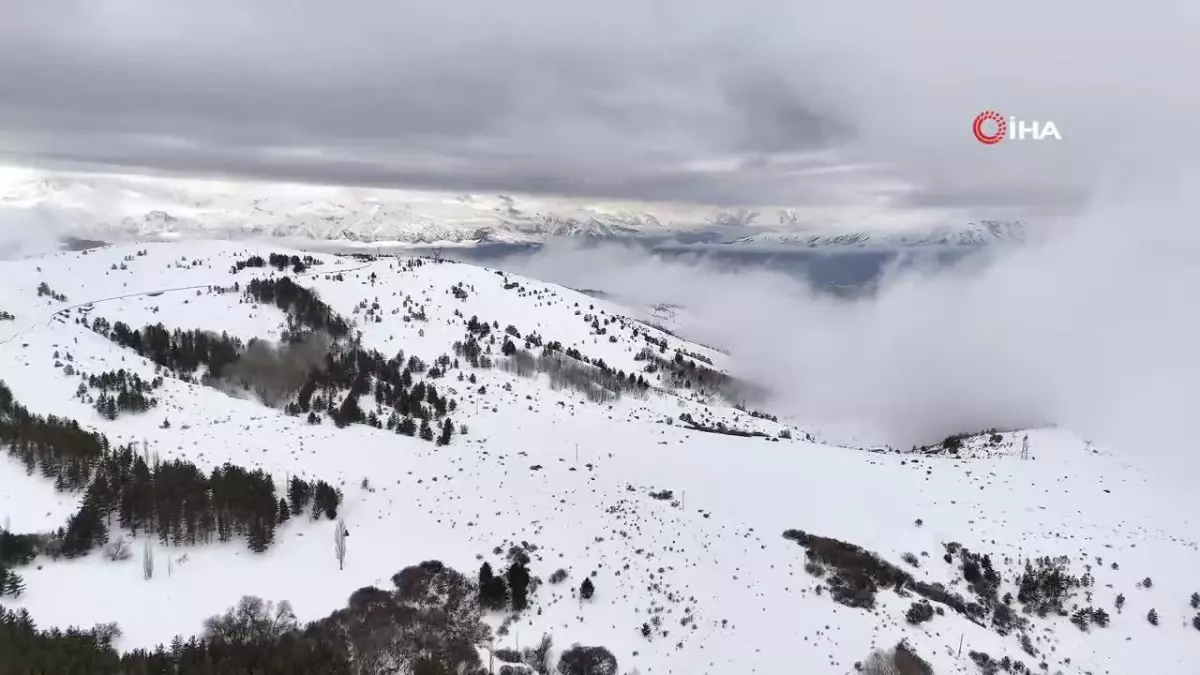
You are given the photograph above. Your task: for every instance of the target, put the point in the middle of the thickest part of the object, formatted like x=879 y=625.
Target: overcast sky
x=758 y=102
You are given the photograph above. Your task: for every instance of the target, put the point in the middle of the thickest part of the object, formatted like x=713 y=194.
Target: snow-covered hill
x=125 y=208
x=680 y=527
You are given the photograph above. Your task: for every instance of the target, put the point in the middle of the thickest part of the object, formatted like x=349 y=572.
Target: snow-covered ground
x=714 y=552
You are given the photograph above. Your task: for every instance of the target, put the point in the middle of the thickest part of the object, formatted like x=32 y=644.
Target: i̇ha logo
x=990 y=128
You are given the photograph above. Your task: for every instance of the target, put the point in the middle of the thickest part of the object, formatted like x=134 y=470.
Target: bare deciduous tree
x=881 y=663
x=339 y=543
x=147 y=562
x=253 y=621
x=118 y=549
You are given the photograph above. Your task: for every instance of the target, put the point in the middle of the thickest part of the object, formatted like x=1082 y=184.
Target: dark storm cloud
x=715 y=101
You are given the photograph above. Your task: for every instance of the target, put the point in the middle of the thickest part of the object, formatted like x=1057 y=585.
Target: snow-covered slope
x=123 y=208
x=707 y=565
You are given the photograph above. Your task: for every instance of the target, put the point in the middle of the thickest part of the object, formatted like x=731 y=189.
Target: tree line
x=279 y=261
x=120 y=392
x=174 y=500
x=304 y=308
x=428 y=623
x=180 y=351
x=332 y=385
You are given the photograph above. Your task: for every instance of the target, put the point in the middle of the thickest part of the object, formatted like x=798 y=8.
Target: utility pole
x=1025 y=447
x=960 y=641
x=577 y=453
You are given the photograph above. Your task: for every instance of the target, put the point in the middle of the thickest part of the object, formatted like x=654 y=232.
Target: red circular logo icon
x=982 y=119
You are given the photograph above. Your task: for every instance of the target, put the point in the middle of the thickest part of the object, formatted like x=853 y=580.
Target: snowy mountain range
x=110 y=208
x=635 y=511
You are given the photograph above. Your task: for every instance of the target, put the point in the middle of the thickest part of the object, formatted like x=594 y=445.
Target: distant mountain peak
x=113 y=208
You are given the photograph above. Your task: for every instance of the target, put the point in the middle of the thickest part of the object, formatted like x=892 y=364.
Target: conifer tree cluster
x=65 y=452
x=121 y=392
x=44 y=289
x=323 y=498
x=180 y=351
x=412 y=406
x=512 y=589
x=304 y=309
x=279 y=261
x=493 y=590
x=173 y=500
x=336 y=388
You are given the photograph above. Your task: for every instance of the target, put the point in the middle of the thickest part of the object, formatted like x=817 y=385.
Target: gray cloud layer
x=712 y=101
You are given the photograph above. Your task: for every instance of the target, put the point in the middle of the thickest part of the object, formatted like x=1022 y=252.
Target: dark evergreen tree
x=518 y=585
x=85 y=531
x=447 y=430
x=493 y=592
x=587 y=589
x=299 y=495
x=407 y=426
x=11 y=583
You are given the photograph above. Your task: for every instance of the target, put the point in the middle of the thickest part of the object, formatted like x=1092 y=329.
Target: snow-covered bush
x=118 y=549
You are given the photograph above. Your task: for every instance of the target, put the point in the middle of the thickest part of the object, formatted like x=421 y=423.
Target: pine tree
x=493 y=592
x=299 y=492
x=11 y=583
x=407 y=427
x=518 y=584
x=426 y=430
x=587 y=589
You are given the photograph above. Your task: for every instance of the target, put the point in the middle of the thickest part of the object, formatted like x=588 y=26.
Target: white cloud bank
x=1093 y=329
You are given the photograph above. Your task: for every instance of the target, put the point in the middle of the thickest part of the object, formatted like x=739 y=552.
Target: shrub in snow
x=919 y=612
x=880 y=663
x=508 y=654
x=118 y=549
x=579 y=660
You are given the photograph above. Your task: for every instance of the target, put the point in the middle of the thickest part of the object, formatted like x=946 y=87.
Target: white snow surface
x=718 y=554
